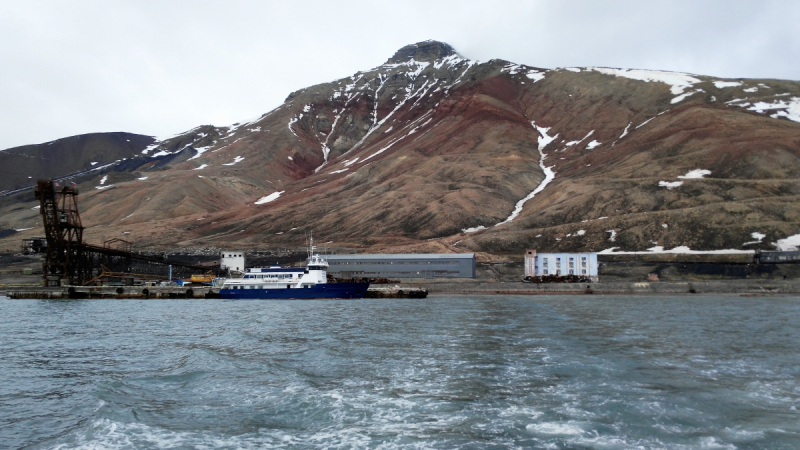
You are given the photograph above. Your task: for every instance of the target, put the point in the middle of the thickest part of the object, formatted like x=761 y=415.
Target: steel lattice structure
x=71 y=261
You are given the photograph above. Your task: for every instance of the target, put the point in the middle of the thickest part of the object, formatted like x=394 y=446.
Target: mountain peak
x=422 y=51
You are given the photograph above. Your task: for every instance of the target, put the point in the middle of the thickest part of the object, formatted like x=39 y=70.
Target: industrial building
x=560 y=264
x=775 y=257
x=423 y=265
x=232 y=260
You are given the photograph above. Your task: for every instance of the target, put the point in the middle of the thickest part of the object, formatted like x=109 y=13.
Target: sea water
x=473 y=372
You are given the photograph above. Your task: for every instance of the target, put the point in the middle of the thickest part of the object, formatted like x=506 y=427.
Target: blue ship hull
x=328 y=290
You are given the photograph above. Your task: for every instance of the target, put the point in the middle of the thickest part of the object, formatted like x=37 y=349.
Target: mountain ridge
x=415 y=152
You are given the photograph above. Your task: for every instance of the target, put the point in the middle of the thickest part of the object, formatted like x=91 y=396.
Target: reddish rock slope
x=406 y=156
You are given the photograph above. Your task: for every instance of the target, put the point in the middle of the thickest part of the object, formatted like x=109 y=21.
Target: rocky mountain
x=22 y=166
x=432 y=152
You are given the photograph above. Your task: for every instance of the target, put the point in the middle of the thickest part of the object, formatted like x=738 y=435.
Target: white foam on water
x=711 y=442
x=556 y=428
x=738 y=434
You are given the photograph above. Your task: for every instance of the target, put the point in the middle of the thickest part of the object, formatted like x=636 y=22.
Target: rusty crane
x=69 y=260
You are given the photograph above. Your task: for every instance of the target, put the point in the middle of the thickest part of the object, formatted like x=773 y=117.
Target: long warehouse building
x=423 y=265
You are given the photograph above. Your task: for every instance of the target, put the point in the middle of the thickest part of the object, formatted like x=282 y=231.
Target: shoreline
x=464 y=287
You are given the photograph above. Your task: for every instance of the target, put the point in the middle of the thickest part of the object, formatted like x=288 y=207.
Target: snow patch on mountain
x=696 y=173
x=678 y=82
x=237 y=159
x=683 y=97
x=549 y=174
x=269 y=198
x=200 y=151
x=571 y=143
x=473 y=229
x=291 y=122
x=726 y=84
x=681 y=250
x=410 y=132
x=670 y=184
x=759 y=238
x=788 y=244
x=791 y=108
x=625 y=131
x=535 y=75
x=644 y=123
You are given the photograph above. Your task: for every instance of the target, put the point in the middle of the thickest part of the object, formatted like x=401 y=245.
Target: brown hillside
x=405 y=156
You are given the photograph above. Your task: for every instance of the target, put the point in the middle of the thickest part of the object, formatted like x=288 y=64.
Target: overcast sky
x=162 y=67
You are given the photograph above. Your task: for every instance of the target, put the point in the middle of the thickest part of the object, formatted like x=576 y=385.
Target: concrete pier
x=626 y=288
x=140 y=292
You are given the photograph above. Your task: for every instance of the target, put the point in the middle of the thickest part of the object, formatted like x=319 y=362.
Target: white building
x=562 y=264
x=232 y=260
x=530 y=263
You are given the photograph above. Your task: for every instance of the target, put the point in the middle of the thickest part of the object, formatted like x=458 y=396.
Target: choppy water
x=444 y=372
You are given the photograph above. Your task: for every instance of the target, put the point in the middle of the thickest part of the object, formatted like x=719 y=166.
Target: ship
x=276 y=282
